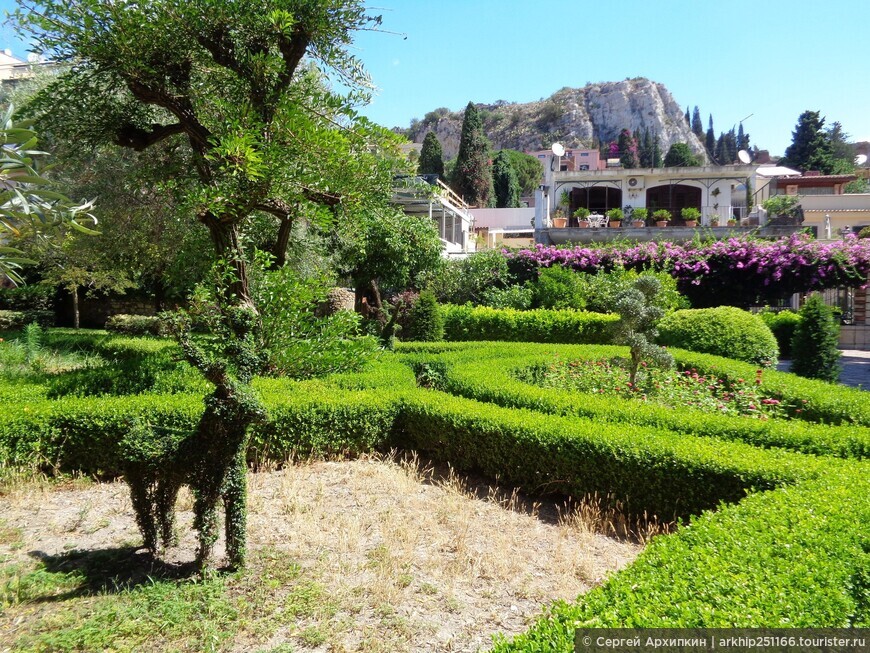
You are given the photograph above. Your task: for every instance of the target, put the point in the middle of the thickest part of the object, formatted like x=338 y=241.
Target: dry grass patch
x=366 y=555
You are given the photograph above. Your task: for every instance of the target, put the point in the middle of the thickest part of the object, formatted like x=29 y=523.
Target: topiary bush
x=814 y=345
x=723 y=331
x=782 y=324
x=427 y=321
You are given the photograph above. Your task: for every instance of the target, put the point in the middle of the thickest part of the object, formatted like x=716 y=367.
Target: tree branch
x=137 y=138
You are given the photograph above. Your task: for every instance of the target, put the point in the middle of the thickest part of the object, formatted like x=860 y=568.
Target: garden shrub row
x=137 y=325
x=540 y=325
x=819 y=401
x=794 y=557
x=782 y=324
x=488 y=374
x=648 y=470
x=17 y=320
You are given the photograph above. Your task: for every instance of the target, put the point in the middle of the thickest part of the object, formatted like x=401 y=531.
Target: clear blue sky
x=772 y=59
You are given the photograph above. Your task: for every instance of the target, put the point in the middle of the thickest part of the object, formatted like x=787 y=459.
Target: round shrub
x=723 y=331
x=559 y=287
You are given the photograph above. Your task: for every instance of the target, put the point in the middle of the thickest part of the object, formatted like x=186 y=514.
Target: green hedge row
x=541 y=325
x=649 y=470
x=795 y=557
x=820 y=401
x=488 y=374
x=17 y=320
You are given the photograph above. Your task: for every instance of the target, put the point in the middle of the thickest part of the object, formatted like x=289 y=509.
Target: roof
x=777 y=171
x=827 y=179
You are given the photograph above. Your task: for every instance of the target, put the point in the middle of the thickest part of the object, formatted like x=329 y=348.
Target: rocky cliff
x=575 y=117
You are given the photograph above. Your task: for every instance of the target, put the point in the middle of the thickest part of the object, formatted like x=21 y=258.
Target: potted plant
x=714 y=220
x=638 y=217
x=581 y=214
x=662 y=217
x=732 y=222
x=614 y=217
x=691 y=216
x=559 y=219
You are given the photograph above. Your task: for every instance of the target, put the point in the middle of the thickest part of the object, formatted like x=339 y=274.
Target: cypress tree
x=711 y=138
x=814 y=344
x=721 y=154
x=731 y=146
x=688 y=120
x=697 y=125
x=431 y=157
x=504 y=182
x=472 y=174
x=742 y=139
x=657 y=161
x=645 y=153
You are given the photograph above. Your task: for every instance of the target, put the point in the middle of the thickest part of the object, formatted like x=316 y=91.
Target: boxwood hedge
x=540 y=325
x=787 y=543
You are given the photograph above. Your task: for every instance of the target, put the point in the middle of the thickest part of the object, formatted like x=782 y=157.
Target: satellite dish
x=744 y=157
x=558 y=149
x=861 y=159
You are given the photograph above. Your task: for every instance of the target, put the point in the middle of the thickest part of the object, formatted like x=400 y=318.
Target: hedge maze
x=773 y=514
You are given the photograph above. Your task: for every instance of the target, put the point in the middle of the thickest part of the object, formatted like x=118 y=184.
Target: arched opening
x=673 y=197
x=598 y=199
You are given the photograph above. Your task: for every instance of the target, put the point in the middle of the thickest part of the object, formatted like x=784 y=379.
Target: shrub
x=466 y=280
x=604 y=287
x=782 y=324
x=15 y=320
x=517 y=297
x=427 y=322
x=814 y=345
x=32 y=297
x=540 y=325
x=136 y=325
x=724 y=331
x=690 y=214
x=558 y=287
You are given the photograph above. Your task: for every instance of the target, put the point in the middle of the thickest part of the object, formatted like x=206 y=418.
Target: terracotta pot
x=638 y=224
x=615 y=224
x=560 y=223
x=584 y=224
x=691 y=223
x=661 y=223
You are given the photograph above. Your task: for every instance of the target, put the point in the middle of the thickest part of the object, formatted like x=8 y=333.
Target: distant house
x=13 y=69
x=427 y=195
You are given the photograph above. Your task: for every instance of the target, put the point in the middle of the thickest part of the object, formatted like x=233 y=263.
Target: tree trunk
x=280 y=251
x=225 y=237
x=75 y=303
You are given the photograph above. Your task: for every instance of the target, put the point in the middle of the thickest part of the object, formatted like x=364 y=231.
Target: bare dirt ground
x=409 y=558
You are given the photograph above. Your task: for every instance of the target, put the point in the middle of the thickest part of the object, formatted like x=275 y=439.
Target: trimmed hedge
x=136 y=325
x=723 y=331
x=541 y=325
x=17 y=320
x=487 y=374
x=782 y=325
x=648 y=470
x=794 y=552
x=795 y=557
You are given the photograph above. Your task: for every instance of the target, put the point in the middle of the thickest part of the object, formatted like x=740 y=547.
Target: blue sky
x=767 y=59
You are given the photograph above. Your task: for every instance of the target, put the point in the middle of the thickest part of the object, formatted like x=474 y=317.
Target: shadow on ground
x=109 y=571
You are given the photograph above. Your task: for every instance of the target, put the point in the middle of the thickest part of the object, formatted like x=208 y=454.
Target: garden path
x=856 y=368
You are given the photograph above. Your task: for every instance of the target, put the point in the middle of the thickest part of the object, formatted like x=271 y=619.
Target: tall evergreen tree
x=431 y=157
x=472 y=174
x=731 y=146
x=842 y=151
x=711 y=138
x=645 y=152
x=657 y=161
x=688 y=120
x=504 y=182
x=627 y=149
x=742 y=139
x=697 y=125
x=811 y=147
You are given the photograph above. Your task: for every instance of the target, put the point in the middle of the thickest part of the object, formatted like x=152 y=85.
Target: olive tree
x=241 y=92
